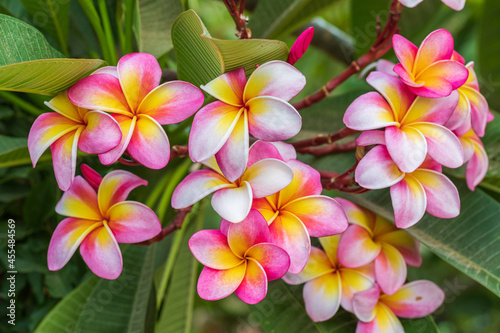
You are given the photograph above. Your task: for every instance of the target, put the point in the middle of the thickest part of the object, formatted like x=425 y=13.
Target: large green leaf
x=155 y=18
x=14 y=152
x=273 y=19
x=202 y=58
x=29 y=64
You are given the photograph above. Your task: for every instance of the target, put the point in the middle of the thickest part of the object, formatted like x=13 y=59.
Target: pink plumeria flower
x=428 y=71
x=412 y=194
x=370 y=237
x=378 y=313
x=66 y=130
x=300 y=46
x=133 y=94
x=232 y=200
x=453 y=4
x=242 y=263
x=258 y=107
x=98 y=221
x=328 y=284
x=472 y=110
x=298 y=211
x=476 y=158
x=413 y=124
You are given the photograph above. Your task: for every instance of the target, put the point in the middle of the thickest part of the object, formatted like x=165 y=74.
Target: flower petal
x=91 y=176
x=455 y=4
x=212 y=126
x=408 y=246
x=273 y=259
x=210 y=247
x=438 y=45
x=369 y=111
x=274 y=78
x=233 y=204
x=196 y=186
x=353 y=281
x=252 y=230
x=409 y=202
x=101 y=134
x=79 y=201
x=139 y=74
x=364 y=304
x=405 y=50
x=384 y=321
x=322 y=296
x=300 y=45
x=461 y=115
x=373 y=137
x=228 y=87
x=358 y=215
x=390 y=269
x=253 y=288
x=272 y=119
x=478 y=111
x=477 y=167
x=386 y=66
x=432 y=87
x=306 y=181
x=356 y=247
x=67 y=237
x=377 y=170
x=452 y=71
x=330 y=244
x=318 y=264
x=215 y=284
x=261 y=150
x=64 y=152
x=133 y=222
x=407 y=147
x=101 y=253
x=172 y=102
x=62 y=105
x=432 y=110
x=127 y=126
x=267 y=177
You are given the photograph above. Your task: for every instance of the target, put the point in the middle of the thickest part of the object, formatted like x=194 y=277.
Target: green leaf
x=202 y=58
x=177 y=311
x=52 y=16
x=155 y=18
x=273 y=19
x=14 y=152
x=8 y=144
x=29 y=64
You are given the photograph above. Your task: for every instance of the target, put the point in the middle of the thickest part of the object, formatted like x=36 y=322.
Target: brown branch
x=176 y=224
x=175 y=151
x=378 y=49
x=343 y=182
x=332 y=148
x=323 y=139
x=235 y=9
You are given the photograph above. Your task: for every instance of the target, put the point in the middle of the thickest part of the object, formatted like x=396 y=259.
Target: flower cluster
x=431 y=113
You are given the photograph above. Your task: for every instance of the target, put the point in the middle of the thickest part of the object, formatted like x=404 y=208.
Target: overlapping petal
x=101 y=134
x=273 y=259
x=377 y=170
x=306 y=181
x=384 y=321
x=408 y=246
x=432 y=110
x=233 y=204
x=210 y=247
x=133 y=222
x=322 y=296
x=215 y=284
x=406 y=51
x=353 y=281
x=64 y=152
x=127 y=126
x=80 y=201
x=267 y=177
x=253 y=287
x=317 y=265
x=253 y=230
x=115 y=187
x=409 y=201
x=365 y=303
x=369 y=111
x=228 y=87
x=356 y=247
x=406 y=146
x=390 y=269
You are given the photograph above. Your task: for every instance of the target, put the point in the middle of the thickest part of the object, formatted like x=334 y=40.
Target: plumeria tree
x=293 y=171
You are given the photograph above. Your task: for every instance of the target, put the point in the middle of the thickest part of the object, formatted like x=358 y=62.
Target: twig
x=175 y=151
x=323 y=139
x=332 y=148
x=378 y=49
x=235 y=9
x=176 y=224
x=343 y=182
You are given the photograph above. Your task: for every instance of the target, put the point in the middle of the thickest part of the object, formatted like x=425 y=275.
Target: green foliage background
x=156 y=292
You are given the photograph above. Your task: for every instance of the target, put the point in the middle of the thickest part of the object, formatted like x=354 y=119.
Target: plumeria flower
x=98 y=221
x=133 y=94
x=300 y=46
x=232 y=200
x=412 y=194
x=66 y=130
x=328 y=284
x=242 y=263
x=258 y=107
x=378 y=313
x=370 y=237
x=453 y=4
x=476 y=158
x=428 y=71
x=413 y=124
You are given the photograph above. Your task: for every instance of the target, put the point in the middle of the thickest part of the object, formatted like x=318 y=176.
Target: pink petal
x=408 y=246
x=384 y=321
x=405 y=50
x=432 y=110
x=461 y=116
x=149 y=143
x=115 y=187
x=286 y=150
x=79 y=201
x=62 y=105
x=322 y=296
x=252 y=230
x=368 y=138
x=369 y=111
x=442 y=145
x=385 y=66
x=210 y=247
x=356 y=247
x=358 y=215
x=172 y=102
x=101 y=134
x=407 y=77
x=432 y=87
x=99 y=92
x=452 y=71
x=232 y=158
x=101 y=253
x=477 y=167
x=377 y=170
x=212 y=126
x=409 y=202
x=478 y=110
x=430 y=164
x=111 y=70
x=415 y=299
x=273 y=259
x=300 y=46
x=330 y=245
x=438 y=45
x=67 y=237
x=321 y=215
x=233 y=204
x=133 y=222
x=407 y=147
x=91 y=176
x=228 y=87
x=455 y=4
x=127 y=126
x=456 y=56
x=390 y=269
x=46 y=129
x=253 y=288
x=317 y=265
x=216 y=284
x=364 y=303
x=64 y=152
x=354 y=281
x=196 y=186
x=261 y=150
x=306 y=181
x=442 y=195
x=274 y=78
x=272 y=119
x=267 y=177
x=139 y=74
